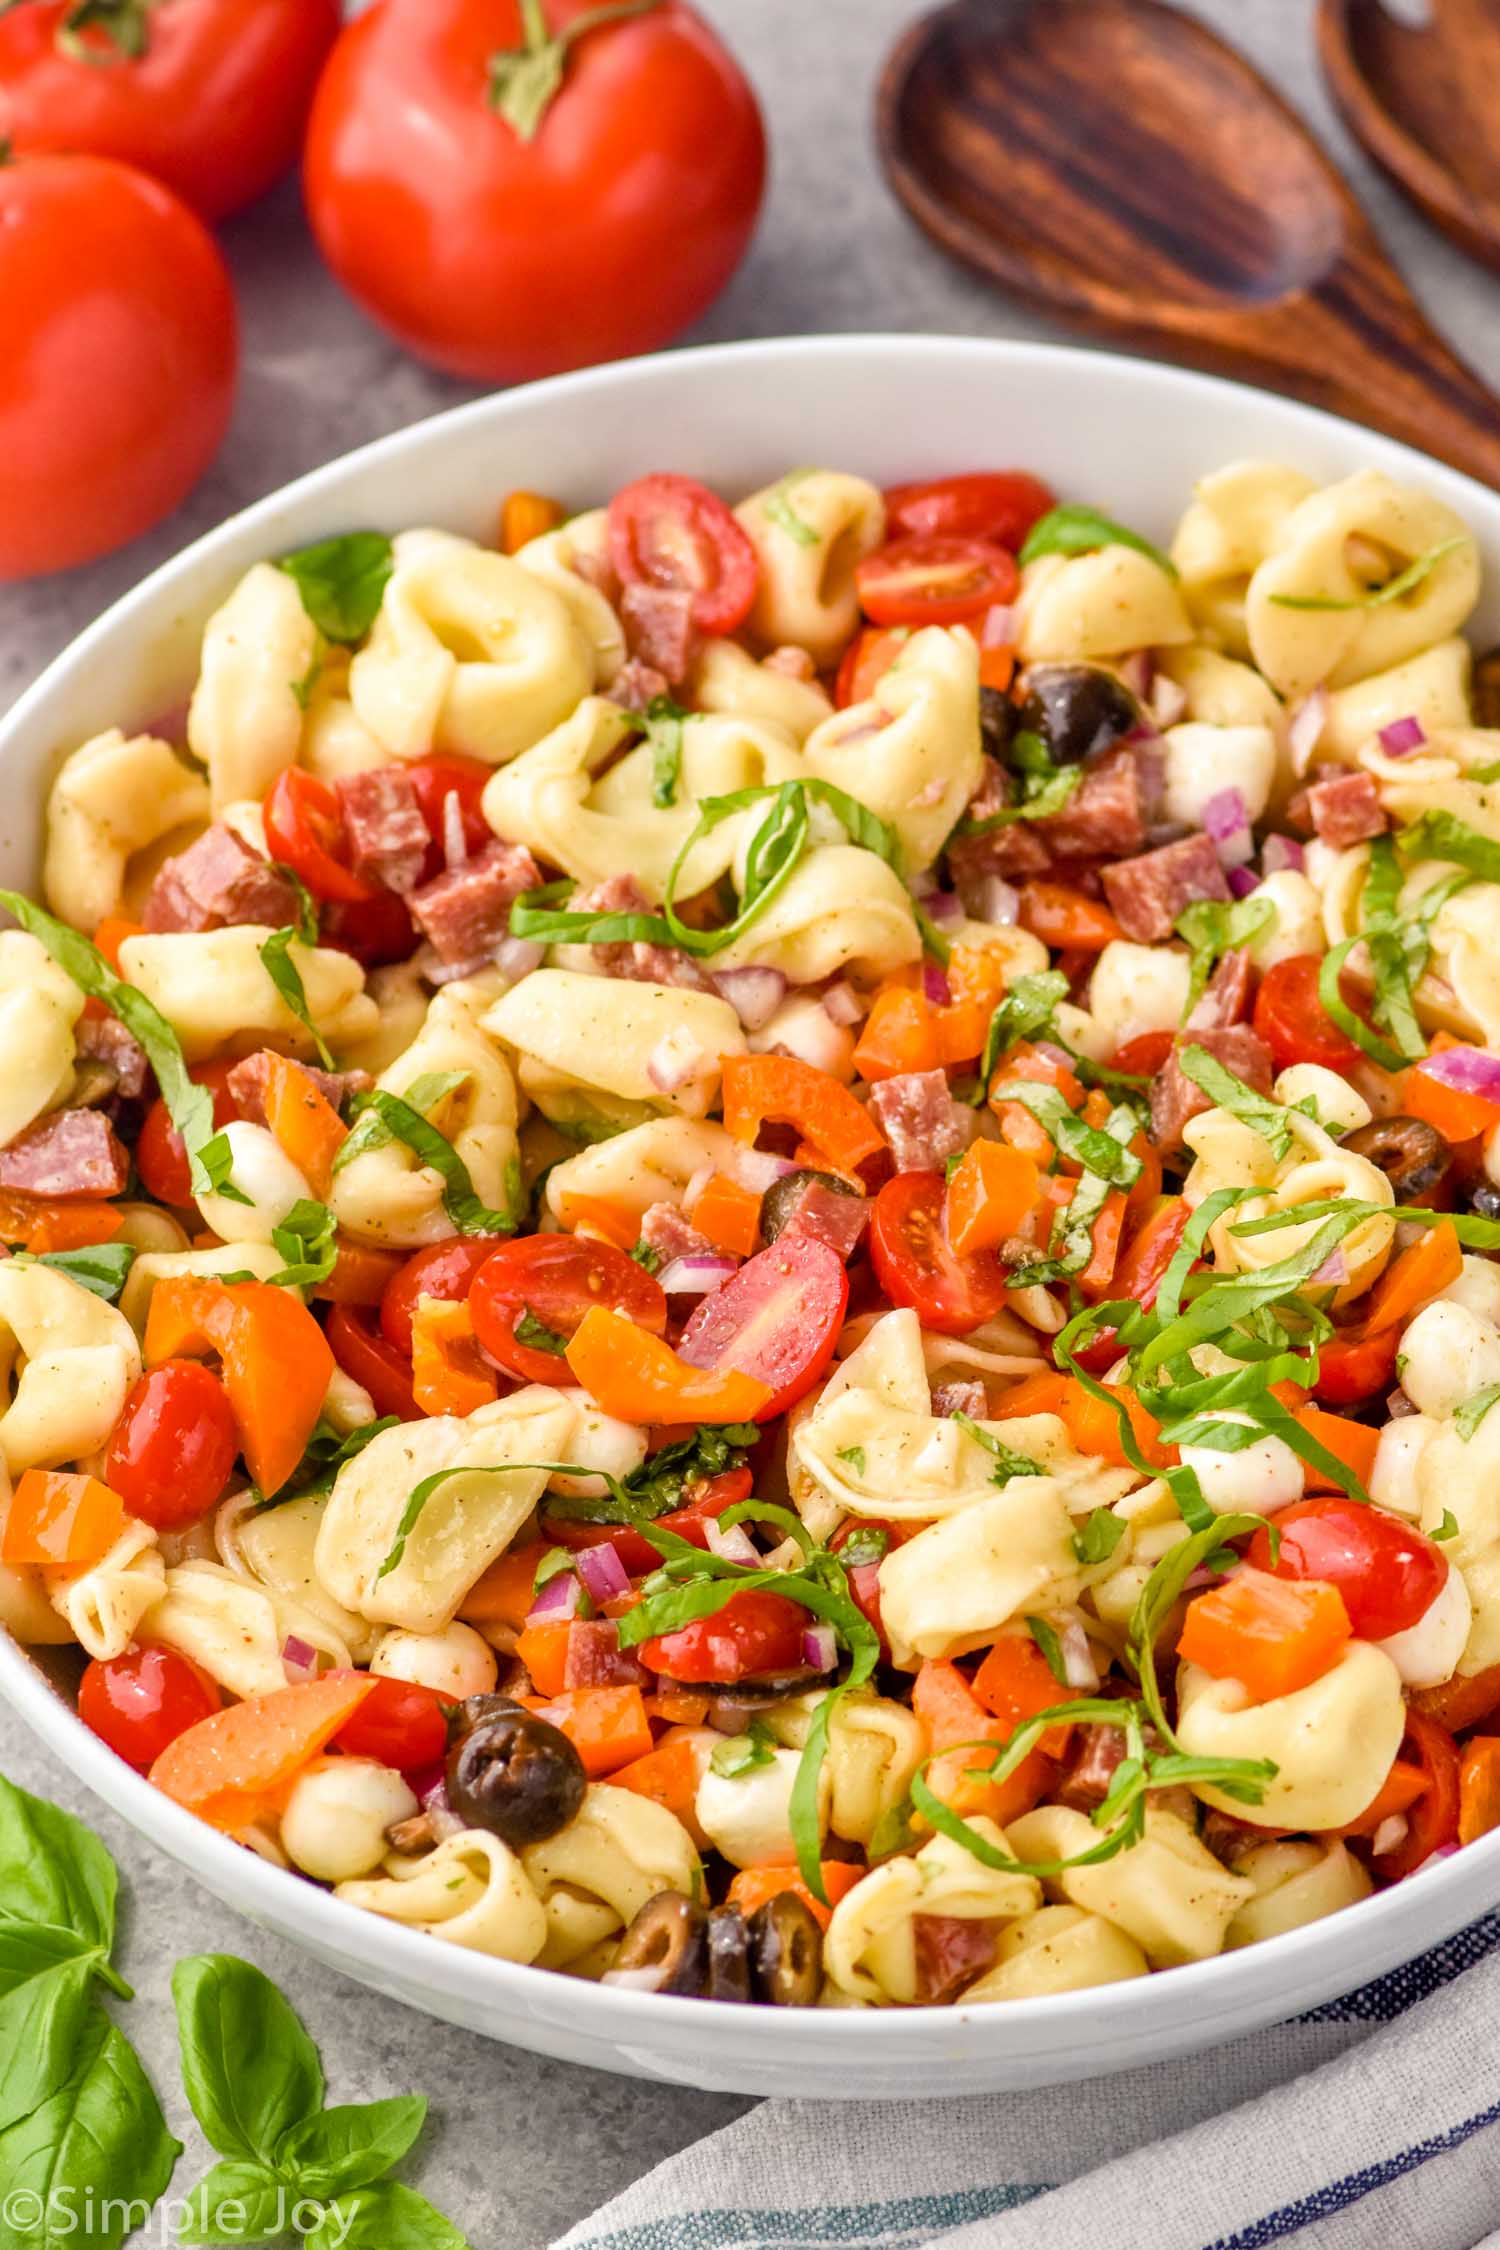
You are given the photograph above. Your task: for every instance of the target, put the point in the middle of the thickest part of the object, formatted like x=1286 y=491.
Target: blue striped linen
x=1367 y=2124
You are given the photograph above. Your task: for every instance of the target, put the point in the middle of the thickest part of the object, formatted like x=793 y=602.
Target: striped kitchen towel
x=1370 y=2124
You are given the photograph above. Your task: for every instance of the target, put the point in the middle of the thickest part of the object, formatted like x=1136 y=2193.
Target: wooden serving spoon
x=1421 y=99
x=1113 y=162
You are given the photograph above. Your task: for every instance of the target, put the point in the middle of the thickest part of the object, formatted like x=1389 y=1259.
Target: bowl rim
x=1462 y=1887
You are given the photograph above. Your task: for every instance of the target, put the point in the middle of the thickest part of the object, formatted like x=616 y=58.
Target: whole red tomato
x=118 y=372
x=210 y=96
x=503 y=235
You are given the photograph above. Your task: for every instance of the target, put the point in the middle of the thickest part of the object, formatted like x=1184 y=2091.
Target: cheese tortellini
x=111 y=802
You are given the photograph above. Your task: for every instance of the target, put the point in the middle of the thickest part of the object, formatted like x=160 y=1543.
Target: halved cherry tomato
x=363 y=1352
x=140 y=1702
x=375 y=930
x=446 y=1270
x=1353 y=1366
x=864 y=1577
x=1144 y=1055
x=174 y=1445
x=1150 y=1250
x=437 y=778
x=916 y=1264
x=709 y=1500
x=1292 y=1020
x=556 y=1278
x=778 y=1319
x=866 y=661
x=400 y=1724
x=672 y=532
x=1387 y=1572
x=1001 y=505
x=1432 y=1821
x=755 y=1632
x=934 y=581
x=160 y=1157
x=305 y=831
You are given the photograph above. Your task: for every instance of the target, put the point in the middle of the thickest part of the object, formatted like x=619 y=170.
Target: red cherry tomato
x=1150 y=1251
x=864 y=1577
x=435 y=780
x=174 y=1445
x=709 y=1500
x=445 y=1270
x=362 y=1351
x=754 y=1633
x=1353 y=1367
x=866 y=661
x=142 y=1701
x=399 y=1724
x=160 y=1157
x=916 y=1264
x=1388 y=1574
x=375 y=930
x=502 y=246
x=1001 y=506
x=118 y=373
x=1292 y=1020
x=305 y=831
x=213 y=106
x=673 y=532
x=1144 y=1056
x=778 y=1319
x=556 y=1278
x=934 y=581
x=1432 y=1822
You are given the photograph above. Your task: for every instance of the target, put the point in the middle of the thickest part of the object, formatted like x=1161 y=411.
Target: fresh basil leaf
x=1008 y=1463
x=1222 y=1087
x=664 y=720
x=101 y=1268
x=777 y=509
x=1045 y=788
x=371 y=1130
x=1440 y=835
x=1467 y=1418
x=350 y=2146
x=342 y=582
x=658 y=1485
x=854 y=1455
x=462 y=1205
x=55 y=1871
x=531 y=1329
x=1212 y=927
x=236 y=2203
x=867 y=1543
x=189 y=1105
x=41 y=2017
x=552 y=1565
x=1448 y=1528
x=308 y=1240
x=1405 y=582
x=649 y=1260
x=276 y=959
x=1473 y=1231
x=1096 y=1150
x=307 y=909
x=1075 y=529
x=1247 y=1777
x=1101 y=1534
x=1026 y=1010
x=1051 y=1647
x=99 y=2145
x=384 y=2217
x=249 y=2069
x=743 y=1753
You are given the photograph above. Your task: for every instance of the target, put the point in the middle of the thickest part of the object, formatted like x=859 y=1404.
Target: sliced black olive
x=730 y=1710
x=1412 y=1154
x=728 y=1955
x=997 y=722
x=782 y=1197
x=516 y=1775
x=786 y=1952
x=475 y=1709
x=1486 y=1201
x=670 y=1934
x=1077 y=709
x=1484 y=689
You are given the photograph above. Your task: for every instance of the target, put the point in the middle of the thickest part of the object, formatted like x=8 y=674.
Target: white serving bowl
x=1123 y=434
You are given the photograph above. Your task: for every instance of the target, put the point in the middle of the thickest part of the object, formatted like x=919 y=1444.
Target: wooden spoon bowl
x=1115 y=163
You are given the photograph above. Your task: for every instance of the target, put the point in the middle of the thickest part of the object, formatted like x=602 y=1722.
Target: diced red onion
x=820 y=1647
x=1227 y=824
x=675 y=1061
x=696 y=1273
x=1305 y=729
x=1198 y=1578
x=455 y=843
x=1242 y=880
x=1402 y=736
x=1168 y=700
x=997 y=627
x=1137 y=671
x=935 y=986
x=943 y=906
x=429 y=1782
x=843 y=1005
x=808 y=1033
x=299 y=1660
x=754 y=1168
x=442 y=1820
x=1468 y=1070
x=1333 y=1270
x=999 y=901
x=735 y=1544
x=558 y=1600
x=434 y=970
x=1078 y=1660
x=602 y=1572
x=638 y=1980
x=1399 y=1404
x=754 y=994
x=516 y=957
x=1278 y=853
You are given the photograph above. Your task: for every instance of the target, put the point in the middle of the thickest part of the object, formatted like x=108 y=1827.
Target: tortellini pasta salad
x=757 y=1254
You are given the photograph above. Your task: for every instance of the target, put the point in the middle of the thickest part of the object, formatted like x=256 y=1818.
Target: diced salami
x=922 y=1122
x=247 y=1084
x=952 y=1950
x=104 y=1040
x=387 y=836
x=1089 y=1768
x=1013 y=852
x=636 y=686
x=466 y=912
x=1176 y=1099
x=826 y=1216
x=74 y=1152
x=658 y=623
x=635 y=959
x=594 y=1657
x=1346 y=811
x=669 y=1234
x=1105 y=818
x=1147 y=894
x=217 y=884
x=1225 y=999
x=960 y=1398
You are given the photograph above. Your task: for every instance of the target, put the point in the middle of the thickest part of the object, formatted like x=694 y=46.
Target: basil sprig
x=1092 y=1146
x=1045 y=787
x=102 y=1268
x=1076 y=529
x=403 y=1121
x=307 y=1239
x=342 y=582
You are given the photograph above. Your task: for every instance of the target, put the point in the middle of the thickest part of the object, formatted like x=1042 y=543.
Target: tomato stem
x=525 y=80
x=122 y=22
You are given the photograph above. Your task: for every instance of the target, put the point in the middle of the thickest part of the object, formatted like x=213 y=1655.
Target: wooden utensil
x=1421 y=98
x=1113 y=162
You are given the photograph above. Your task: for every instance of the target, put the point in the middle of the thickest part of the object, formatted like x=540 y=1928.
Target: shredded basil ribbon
x=1405 y=582
x=1212 y=927
x=1076 y=529
x=1222 y=1087
x=1096 y=1149
x=276 y=959
x=463 y=1206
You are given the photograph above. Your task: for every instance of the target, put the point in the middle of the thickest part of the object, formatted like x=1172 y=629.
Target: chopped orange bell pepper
x=598 y=1214
x=59 y=1519
x=111 y=935
x=506 y=1591
x=753 y=1886
x=303 y=1121
x=729 y=1215
x=1020 y=1128
x=360 y=1274
x=607 y=1726
x=239 y=1764
x=976 y=972
x=1015 y=1682
x=961 y=1031
x=276 y=1360
x=641 y=1379
x=543 y=1649
x=669 y=1775
x=525 y=516
x=1097 y=1278
x=1274 y=1635
x=990 y=1196
x=1460 y=1702
x=676 y=1705
x=35 y=1225
x=899 y=1035
x=1457 y=1115
x=1092 y=1425
x=1399 y=1791
x=1349 y=1442
x=1061 y=916
x=1421 y=1273
x=1479 y=1787
x=449 y=1372
x=952 y=1714
x=759 y=1089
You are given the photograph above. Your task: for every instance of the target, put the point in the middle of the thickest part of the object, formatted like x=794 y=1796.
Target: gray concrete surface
x=526 y=2147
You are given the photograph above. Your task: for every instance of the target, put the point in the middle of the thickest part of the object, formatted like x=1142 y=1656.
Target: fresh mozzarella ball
x=1427 y=1653
x=337 y=1815
x=1264 y=1476
x=1447 y=1354
x=262 y=1170
x=599 y=1442
x=455 y=1662
x=747 y=1816
x=1340 y=1109
x=1203 y=761
x=1395 y=1479
x=1477 y=1289
x=1138 y=988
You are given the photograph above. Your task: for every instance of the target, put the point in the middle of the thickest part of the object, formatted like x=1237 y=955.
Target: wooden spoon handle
x=1372 y=355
